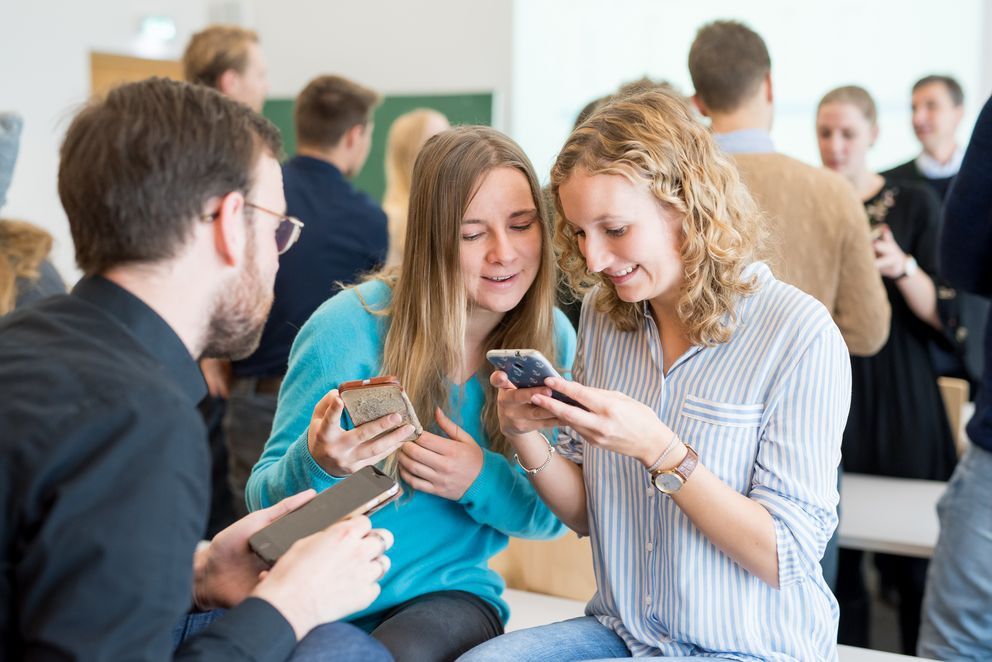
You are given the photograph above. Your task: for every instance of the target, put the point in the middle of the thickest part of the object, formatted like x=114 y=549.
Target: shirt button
x=647 y=600
x=651 y=492
x=650 y=547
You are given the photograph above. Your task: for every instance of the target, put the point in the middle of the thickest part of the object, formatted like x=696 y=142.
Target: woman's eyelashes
x=609 y=232
x=516 y=227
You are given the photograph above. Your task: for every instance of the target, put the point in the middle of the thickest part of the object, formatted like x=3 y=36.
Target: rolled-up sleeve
x=795 y=475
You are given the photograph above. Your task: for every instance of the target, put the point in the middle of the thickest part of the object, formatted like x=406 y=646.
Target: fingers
x=379 y=426
x=427 y=448
x=593 y=398
x=385 y=537
x=501 y=381
x=416 y=482
x=328 y=411
x=450 y=428
x=417 y=468
x=573 y=417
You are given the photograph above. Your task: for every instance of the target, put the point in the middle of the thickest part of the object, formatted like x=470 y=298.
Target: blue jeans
x=957 y=618
x=340 y=642
x=582 y=638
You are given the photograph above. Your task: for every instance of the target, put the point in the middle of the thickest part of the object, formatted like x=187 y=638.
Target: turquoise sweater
x=440 y=544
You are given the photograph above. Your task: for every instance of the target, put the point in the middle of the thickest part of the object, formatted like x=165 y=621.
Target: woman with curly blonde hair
x=703 y=461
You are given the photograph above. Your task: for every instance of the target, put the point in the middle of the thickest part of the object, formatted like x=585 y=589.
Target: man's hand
x=342 y=453
x=226 y=571
x=217 y=373
x=329 y=575
x=439 y=466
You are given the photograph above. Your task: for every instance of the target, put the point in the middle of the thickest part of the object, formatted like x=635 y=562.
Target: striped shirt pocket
x=725 y=435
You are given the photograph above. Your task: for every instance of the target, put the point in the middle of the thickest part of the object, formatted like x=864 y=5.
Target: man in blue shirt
x=345 y=237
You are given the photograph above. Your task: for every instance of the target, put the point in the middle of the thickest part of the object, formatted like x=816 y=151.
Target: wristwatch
x=909 y=268
x=670 y=481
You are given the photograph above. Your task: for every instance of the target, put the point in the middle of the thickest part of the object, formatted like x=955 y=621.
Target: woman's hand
x=341 y=453
x=614 y=421
x=517 y=413
x=439 y=466
x=889 y=258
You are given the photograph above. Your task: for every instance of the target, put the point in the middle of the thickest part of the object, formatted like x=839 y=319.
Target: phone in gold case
x=368 y=399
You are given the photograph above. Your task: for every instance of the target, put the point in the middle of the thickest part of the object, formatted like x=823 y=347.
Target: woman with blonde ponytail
x=477 y=273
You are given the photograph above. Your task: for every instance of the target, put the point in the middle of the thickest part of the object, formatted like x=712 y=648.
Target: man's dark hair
x=138 y=167
x=727 y=63
x=328 y=107
x=953 y=87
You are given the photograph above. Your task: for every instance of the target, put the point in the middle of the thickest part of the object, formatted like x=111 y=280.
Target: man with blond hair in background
x=228 y=59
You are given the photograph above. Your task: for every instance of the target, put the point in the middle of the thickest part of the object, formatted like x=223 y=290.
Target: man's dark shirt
x=909 y=172
x=963 y=314
x=104 y=488
x=345 y=236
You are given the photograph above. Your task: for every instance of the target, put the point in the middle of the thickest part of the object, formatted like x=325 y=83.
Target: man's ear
x=700 y=106
x=230 y=228
x=228 y=82
x=874 y=135
x=354 y=135
x=769 y=96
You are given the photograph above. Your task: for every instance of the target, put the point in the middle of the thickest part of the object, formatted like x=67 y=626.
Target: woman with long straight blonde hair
x=478 y=273
x=407 y=135
x=704 y=465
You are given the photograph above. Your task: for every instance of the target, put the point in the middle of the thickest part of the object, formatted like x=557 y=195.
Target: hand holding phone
x=528 y=368
x=361 y=493
x=342 y=452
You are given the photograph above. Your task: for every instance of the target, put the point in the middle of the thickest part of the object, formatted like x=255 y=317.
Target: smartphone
x=528 y=368
x=362 y=493
x=368 y=399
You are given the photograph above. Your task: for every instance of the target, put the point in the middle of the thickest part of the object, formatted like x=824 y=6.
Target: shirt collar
x=745 y=141
x=931 y=168
x=151 y=331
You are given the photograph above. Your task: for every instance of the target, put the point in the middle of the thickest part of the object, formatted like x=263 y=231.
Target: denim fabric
x=337 y=642
x=956 y=619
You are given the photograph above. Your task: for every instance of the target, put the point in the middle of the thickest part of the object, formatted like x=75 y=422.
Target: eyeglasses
x=287 y=232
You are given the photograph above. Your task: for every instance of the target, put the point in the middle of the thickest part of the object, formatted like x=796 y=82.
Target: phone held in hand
x=527 y=368
x=368 y=399
x=362 y=493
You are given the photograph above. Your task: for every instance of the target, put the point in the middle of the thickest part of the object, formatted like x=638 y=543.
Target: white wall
x=567 y=52
x=45 y=74
x=392 y=46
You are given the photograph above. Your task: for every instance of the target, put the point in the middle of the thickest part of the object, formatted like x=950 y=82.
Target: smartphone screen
x=361 y=493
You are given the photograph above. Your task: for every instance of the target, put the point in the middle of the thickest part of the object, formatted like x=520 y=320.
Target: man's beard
x=239 y=314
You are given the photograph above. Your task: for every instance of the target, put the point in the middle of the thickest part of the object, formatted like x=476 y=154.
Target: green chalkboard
x=459 y=109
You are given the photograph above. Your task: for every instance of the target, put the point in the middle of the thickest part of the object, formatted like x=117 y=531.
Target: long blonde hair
x=407 y=136
x=23 y=247
x=652 y=138
x=425 y=343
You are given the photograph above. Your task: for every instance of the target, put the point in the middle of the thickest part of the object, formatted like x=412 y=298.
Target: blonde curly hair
x=652 y=138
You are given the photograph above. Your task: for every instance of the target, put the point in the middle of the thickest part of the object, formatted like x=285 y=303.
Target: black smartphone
x=362 y=493
x=527 y=368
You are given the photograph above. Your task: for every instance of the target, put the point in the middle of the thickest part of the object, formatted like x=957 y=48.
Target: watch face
x=668 y=482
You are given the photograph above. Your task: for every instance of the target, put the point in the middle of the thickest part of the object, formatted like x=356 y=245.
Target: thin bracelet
x=666 y=453
x=551 y=451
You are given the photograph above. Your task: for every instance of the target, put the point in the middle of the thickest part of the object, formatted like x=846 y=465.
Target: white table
x=889 y=515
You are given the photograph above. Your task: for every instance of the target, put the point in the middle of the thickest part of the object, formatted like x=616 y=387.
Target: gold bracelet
x=551 y=451
x=666 y=453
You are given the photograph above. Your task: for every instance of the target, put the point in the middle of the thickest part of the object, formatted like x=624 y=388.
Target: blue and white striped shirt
x=765 y=411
